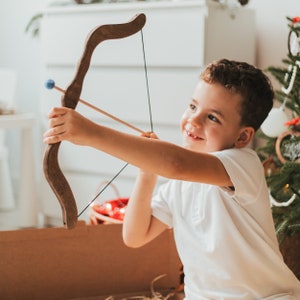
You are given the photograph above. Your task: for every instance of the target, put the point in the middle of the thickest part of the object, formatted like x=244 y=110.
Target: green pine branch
x=284 y=180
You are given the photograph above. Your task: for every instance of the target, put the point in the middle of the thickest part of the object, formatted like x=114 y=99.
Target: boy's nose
x=196 y=120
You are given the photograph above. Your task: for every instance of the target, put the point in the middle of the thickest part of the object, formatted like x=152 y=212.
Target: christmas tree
x=281 y=132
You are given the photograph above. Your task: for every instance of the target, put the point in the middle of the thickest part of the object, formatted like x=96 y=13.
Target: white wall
x=272 y=29
x=20 y=51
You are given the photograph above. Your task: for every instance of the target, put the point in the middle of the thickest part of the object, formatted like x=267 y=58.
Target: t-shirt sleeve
x=161 y=204
x=245 y=171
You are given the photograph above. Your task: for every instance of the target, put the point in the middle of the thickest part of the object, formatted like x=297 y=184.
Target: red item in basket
x=113 y=208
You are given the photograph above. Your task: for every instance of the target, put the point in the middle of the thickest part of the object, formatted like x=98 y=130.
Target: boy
x=216 y=200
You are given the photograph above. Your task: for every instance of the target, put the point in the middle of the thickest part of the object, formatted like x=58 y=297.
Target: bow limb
x=52 y=171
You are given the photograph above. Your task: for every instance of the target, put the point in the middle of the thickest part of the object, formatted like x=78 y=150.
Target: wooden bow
x=52 y=171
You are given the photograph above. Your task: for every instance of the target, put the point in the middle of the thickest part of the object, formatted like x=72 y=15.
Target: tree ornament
x=276 y=203
x=270 y=166
x=294 y=122
x=293 y=37
x=273 y=125
x=292 y=73
x=291 y=150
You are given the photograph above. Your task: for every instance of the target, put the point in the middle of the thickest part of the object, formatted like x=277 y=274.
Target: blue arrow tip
x=49 y=84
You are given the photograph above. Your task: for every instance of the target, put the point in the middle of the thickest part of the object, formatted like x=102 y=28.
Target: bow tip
x=141 y=18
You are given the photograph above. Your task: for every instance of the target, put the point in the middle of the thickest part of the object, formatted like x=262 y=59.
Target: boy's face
x=212 y=120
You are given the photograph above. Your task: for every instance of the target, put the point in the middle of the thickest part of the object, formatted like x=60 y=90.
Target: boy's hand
x=67 y=124
x=150 y=135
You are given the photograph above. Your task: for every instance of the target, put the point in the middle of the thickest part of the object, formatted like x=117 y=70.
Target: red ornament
x=295 y=20
x=293 y=122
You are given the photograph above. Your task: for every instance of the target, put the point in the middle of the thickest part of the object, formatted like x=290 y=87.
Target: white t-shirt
x=226 y=239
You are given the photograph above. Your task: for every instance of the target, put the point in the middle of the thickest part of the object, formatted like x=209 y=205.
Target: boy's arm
x=139 y=226
x=154 y=156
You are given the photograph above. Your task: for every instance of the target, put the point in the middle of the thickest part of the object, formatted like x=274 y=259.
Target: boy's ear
x=245 y=137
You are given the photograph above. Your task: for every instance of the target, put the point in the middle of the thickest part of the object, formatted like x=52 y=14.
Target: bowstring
x=151 y=128
x=147 y=82
x=103 y=189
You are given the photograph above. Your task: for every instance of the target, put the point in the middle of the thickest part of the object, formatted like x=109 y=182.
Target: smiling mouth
x=194 y=137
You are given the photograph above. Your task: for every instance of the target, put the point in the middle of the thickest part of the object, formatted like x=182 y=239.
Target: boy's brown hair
x=250 y=82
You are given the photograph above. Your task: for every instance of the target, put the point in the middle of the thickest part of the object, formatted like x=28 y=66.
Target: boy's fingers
x=153 y=135
x=149 y=134
x=52 y=139
x=57 y=111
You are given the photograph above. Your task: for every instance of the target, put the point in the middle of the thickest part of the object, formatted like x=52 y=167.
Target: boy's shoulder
x=242 y=158
x=235 y=152
x=246 y=173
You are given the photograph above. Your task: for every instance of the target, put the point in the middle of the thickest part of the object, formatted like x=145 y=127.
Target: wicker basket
x=110 y=211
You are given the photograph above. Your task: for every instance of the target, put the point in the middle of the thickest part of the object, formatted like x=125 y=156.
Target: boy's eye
x=192 y=106
x=213 y=118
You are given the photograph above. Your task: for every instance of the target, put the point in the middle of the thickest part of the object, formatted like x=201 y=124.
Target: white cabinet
x=180 y=37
